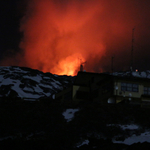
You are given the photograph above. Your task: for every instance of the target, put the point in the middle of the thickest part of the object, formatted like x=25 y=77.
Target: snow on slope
x=30 y=84
x=143 y=137
x=143 y=74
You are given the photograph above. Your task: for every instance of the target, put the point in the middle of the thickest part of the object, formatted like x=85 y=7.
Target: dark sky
x=10 y=15
x=115 y=25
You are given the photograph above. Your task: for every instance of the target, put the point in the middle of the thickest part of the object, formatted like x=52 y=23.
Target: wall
x=128 y=95
x=80 y=93
x=65 y=95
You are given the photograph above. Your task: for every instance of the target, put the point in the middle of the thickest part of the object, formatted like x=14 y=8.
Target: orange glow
x=58 y=33
x=68 y=66
x=55 y=37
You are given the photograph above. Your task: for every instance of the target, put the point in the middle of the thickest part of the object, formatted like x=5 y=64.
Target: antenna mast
x=132 y=49
x=81 y=66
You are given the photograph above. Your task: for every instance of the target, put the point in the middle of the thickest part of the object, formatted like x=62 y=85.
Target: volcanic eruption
x=59 y=35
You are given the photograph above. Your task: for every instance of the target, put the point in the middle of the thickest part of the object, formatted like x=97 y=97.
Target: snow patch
x=136 y=74
x=143 y=74
x=55 y=85
x=34 y=78
x=124 y=127
x=28 y=89
x=47 y=78
x=130 y=127
x=37 y=89
x=86 y=142
x=144 y=137
x=46 y=86
x=69 y=114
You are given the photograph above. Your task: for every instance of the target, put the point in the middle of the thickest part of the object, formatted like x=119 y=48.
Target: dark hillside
x=41 y=125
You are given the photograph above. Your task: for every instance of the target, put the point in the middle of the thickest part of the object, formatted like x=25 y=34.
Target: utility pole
x=131 y=67
x=81 y=65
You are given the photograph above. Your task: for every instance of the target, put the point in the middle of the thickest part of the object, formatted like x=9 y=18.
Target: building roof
x=84 y=77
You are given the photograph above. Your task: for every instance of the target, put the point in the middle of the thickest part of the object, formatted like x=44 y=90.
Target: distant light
x=136 y=70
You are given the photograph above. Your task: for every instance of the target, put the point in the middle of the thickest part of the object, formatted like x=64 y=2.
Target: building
x=106 y=88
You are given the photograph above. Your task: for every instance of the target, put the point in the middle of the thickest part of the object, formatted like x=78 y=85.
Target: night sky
x=10 y=14
x=57 y=35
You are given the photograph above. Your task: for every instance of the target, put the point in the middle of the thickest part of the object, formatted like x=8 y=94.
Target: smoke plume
x=60 y=35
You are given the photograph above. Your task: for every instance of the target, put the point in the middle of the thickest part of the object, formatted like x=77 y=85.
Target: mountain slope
x=30 y=84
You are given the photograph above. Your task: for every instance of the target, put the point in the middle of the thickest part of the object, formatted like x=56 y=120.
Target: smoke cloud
x=59 y=35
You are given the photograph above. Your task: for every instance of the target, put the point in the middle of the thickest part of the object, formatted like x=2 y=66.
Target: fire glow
x=59 y=35
x=56 y=36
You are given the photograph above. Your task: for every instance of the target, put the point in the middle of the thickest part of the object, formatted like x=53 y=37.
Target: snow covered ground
x=30 y=84
x=142 y=74
x=143 y=137
x=69 y=114
x=85 y=142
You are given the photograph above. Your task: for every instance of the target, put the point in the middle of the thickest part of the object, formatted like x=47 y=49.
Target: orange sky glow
x=59 y=35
